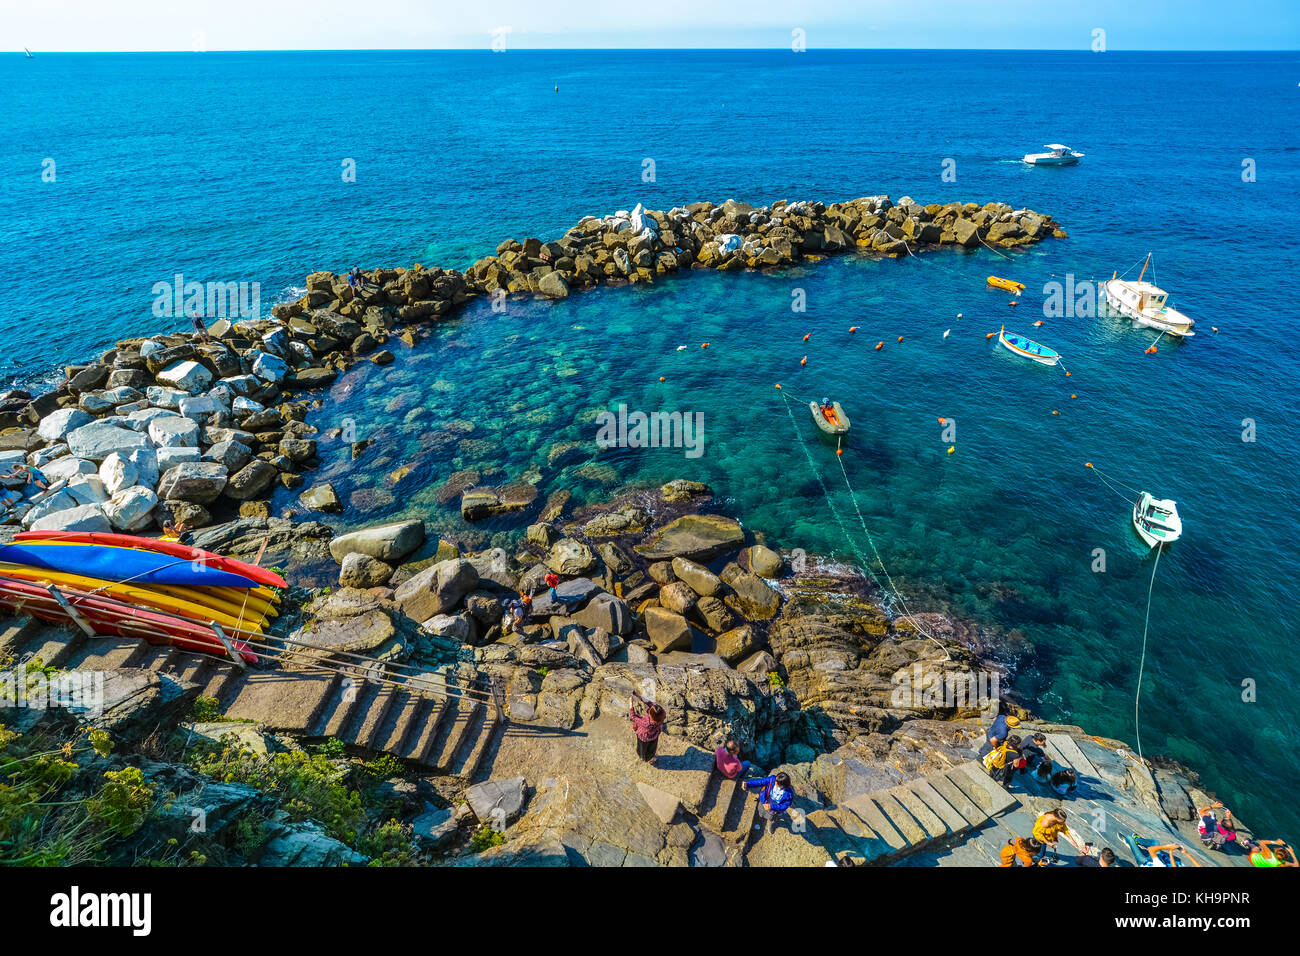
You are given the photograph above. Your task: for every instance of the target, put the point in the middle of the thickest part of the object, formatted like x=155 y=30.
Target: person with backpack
x=1001 y=761
x=997 y=733
x=1272 y=853
x=1022 y=851
x=648 y=721
x=775 y=795
x=1216 y=833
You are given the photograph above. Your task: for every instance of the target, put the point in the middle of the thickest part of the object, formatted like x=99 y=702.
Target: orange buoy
x=807 y=337
x=879 y=346
x=854 y=328
x=900 y=338
x=705 y=345
x=1067 y=374
x=951 y=449
x=990 y=335
x=778 y=384
x=1074 y=396
x=661 y=378
x=1038 y=323
x=1087 y=464
x=943 y=421
x=804 y=360
x=1215 y=327
x=1055 y=412
x=839 y=451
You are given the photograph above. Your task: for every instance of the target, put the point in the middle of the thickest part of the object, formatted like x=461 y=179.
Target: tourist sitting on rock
x=1149 y=853
x=729 y=764
x=1032 y=752
x=1065 y=781
x=1216 y=832
x=1050 y=827
x=648 y=722
x=1000 y=762
x=998 y=731
x=1272 y=853
x=775 y=794
x=1022 y=851
x=1105 y=858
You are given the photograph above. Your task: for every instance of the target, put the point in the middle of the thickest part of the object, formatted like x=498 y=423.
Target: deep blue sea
x=227 y=167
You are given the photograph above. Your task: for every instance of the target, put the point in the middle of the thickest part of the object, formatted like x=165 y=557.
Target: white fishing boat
x=1156 y=520
x=1146 y=304
x=1059 y=156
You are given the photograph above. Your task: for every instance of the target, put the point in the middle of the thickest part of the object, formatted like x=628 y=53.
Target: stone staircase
x=729 y=812
x=446 y=734
x=886 y=825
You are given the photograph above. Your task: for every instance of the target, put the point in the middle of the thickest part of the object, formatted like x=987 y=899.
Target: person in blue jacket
x=775 y=794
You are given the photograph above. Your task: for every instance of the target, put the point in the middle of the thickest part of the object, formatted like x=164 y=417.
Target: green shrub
x=389 y=844
x=206 y=710
x=485 y=838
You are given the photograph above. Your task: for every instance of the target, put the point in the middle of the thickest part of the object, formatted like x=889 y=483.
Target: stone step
x=877 y=823
x=104 y=653
x=482 y=745
x=871 y=844
x=957 y=799
x=912 y=831
x=986 y=793
x=191 y=668
x=828 y=831
x=742 y=813
x=223 y=683
x=430 y=722
x=399 y=723
x=289 y=703
x=460 y=738
x=17 y=633
x=338 y=710
x=53 y=646
x=934 y=826
x=926 y=793
x=368 y=731
x=450 y=733
x=1071 y=755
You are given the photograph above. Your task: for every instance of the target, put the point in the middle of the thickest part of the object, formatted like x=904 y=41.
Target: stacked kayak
x=163 y=592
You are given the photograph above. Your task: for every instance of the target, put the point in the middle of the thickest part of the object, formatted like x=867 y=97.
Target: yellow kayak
x=1007 y=284
x=151 y=597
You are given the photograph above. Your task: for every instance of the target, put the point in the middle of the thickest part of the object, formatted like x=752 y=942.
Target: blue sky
x=153 y=25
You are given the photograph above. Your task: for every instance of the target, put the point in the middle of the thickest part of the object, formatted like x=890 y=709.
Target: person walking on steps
x=1002 y=760
x=648 y=722
x=1022 y=851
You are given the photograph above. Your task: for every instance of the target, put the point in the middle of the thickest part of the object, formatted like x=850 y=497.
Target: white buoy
x=681 y=348
x=959 y=315
x=945 y=333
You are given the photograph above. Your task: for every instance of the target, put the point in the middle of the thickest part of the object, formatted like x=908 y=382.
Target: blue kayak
x=120 y=565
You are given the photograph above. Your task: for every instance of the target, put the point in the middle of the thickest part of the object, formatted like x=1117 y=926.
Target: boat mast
x=1144 y=267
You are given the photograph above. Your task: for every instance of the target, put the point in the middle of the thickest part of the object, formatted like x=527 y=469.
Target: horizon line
x=656 y=49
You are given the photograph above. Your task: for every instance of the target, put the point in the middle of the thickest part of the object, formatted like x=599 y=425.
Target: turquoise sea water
x=227 y=167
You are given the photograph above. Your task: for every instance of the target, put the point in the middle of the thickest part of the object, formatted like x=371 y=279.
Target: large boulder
x=735 y=645
x=118 y=473
x=570 y=556
x=173 y=431
x=188 y=376
x=362 y=571
x=321 y=498
x=667 y=630
x=98 y=440
x=698 y=537
x=752 y=596
x=604 y=612
x=56 y=425
x=436 y=589
x=83 y=518
x=251 y=480
x=200 y=482
x=701 y=580
x=387 y=542
x=131 y=509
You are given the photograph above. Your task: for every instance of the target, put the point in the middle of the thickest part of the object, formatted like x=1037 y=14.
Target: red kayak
x=108 y=616
x=172 y=548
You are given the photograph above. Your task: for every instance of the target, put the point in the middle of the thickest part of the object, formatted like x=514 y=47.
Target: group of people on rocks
x=775 y=791
x=33 y=481
x=1005 y=753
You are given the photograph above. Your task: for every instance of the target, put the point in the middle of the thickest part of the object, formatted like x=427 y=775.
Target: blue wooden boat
x=120 y=564
x=1028 y=348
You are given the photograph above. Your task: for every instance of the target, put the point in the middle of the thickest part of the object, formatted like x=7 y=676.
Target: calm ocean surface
x=226 y=167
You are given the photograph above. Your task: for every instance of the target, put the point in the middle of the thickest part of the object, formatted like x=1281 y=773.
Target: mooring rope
x=891 y=589
x=1137 y=726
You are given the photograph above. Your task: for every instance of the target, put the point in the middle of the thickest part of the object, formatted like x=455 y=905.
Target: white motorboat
x=1146 y=304
x=1156 y=520
x=1059 y=156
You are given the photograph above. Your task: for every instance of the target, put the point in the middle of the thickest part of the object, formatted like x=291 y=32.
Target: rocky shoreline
x=801 y=665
